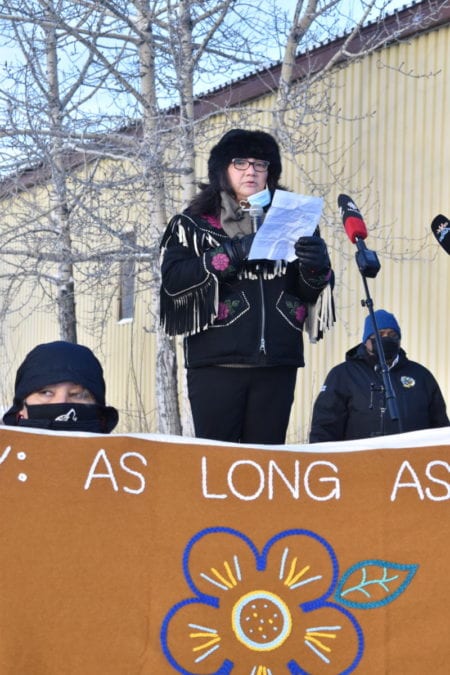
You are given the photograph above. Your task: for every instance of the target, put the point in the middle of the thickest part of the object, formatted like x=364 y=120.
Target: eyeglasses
x=259 y=165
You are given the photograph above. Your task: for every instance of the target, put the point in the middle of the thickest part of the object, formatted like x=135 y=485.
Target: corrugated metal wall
x=399 y=170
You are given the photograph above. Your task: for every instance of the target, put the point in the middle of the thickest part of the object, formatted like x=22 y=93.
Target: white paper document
x=289 y=217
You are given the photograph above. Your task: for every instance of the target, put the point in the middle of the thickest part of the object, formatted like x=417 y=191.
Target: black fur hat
x=243 y=143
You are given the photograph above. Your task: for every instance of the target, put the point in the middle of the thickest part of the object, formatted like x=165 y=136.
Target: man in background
x=352 y=401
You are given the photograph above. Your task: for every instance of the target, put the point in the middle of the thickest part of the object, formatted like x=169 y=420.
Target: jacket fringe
x=192 y=312
x=321 y=315
x=196 y=308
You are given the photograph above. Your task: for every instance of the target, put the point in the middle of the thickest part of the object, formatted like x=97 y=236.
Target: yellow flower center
x=261 y=621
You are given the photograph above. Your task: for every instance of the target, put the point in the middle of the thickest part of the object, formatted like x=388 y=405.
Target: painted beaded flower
x=220 y=262
x=261 y=613
x=297 y=310
x=214 y=222
x=300 y=313
x=223 y=311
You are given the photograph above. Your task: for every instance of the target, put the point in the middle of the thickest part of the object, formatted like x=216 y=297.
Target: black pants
x=242 y=405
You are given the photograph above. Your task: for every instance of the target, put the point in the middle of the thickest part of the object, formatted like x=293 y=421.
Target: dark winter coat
x=347 y=408
x=250 y=316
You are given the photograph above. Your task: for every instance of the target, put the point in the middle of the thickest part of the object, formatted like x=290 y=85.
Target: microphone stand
x=369 y=266
x=380 y=388
x=256 y=216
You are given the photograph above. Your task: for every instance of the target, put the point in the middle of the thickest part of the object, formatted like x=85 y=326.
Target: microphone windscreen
x=351 y=217
x=441 y=230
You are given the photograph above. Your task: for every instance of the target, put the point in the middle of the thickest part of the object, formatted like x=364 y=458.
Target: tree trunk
x=65 y=288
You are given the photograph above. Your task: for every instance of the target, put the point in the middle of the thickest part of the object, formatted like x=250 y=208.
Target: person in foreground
x=60 y=386
x=242 y=320
x=351 y=401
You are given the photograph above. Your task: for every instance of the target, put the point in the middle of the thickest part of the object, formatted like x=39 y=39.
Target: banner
x=152 y=555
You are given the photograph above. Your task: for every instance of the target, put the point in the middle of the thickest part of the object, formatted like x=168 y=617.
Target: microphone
x=353 y=221
x=441 y=230
x=356 y=230
x=256 y=216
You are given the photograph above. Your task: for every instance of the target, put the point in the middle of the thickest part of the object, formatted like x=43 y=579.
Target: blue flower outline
x=261 y=559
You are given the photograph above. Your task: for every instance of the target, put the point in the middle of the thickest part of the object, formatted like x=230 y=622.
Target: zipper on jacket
x=262 y=342
x=256 y=223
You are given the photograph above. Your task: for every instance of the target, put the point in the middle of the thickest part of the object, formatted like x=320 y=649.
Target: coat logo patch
x=407 y=381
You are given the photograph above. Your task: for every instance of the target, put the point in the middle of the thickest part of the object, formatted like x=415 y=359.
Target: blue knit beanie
x=383 y=319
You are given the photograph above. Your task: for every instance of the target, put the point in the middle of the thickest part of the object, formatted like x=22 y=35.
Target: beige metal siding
x=400 y=176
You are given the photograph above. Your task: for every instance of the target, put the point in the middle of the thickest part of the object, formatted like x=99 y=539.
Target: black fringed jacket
x=251 y=316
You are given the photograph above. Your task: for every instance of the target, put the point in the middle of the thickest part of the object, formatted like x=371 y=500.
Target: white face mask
x=261 y=198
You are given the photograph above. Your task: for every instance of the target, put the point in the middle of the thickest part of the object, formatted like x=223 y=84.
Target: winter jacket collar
x=359 y=353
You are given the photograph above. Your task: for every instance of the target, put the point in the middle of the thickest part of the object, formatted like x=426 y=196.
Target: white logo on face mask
x=67 y=417
x=261 y=198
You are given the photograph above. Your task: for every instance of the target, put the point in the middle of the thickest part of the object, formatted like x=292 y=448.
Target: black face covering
x=391 y=347
x=65 y=417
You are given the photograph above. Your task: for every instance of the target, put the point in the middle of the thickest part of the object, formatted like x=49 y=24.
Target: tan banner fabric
x=145 y=555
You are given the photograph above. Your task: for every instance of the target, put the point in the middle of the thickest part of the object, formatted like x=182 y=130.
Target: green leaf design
x=373 y=583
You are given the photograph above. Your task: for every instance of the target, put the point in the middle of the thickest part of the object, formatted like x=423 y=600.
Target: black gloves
x=312 y=254
x=237 y=249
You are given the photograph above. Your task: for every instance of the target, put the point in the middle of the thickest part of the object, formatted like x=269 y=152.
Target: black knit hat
x=243 y=143
x=55 y=362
